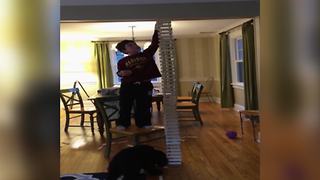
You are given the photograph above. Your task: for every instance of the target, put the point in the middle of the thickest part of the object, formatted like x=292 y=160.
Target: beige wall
x=77 y=63
x=197 y=60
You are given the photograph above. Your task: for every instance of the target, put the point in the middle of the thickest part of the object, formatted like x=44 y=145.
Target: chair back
x=70 y=98
x=208 y=84
x=193 y=90
x=83 y=89
x=197 y=93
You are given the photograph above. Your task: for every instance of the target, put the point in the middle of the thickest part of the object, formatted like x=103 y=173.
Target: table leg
x=100 y=124
x=158 y=105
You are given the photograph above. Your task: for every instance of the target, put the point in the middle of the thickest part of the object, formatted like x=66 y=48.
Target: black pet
x=129 y=162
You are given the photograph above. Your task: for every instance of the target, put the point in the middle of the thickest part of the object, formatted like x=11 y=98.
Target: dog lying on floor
x=129 y=163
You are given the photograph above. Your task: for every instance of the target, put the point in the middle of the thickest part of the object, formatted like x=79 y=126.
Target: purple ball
x=231 y=134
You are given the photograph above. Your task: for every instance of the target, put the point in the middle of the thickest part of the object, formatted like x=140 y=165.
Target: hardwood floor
x=207 y=153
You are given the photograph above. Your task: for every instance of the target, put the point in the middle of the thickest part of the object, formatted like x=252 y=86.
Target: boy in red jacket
x=136 y=70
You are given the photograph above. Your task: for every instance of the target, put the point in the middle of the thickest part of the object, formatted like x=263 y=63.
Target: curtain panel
x=250 y=77
x=101 y=55
x=227 y=95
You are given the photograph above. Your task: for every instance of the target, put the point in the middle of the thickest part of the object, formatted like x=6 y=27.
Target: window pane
x=240 y=71
x=239 y=49
x=239 y=44
x=240 y=55
x=119 y=55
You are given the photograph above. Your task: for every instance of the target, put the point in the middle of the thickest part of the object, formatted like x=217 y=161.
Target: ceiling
x=113 y=2
x=142 y=29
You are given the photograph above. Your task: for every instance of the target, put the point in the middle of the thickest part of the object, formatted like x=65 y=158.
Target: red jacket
x=142 y=65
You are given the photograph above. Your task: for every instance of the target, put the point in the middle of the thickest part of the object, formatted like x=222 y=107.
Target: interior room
x=208 y=151
x=206 y=119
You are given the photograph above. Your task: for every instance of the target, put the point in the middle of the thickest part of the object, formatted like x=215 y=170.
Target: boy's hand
x=124 y=73
x=157 y=26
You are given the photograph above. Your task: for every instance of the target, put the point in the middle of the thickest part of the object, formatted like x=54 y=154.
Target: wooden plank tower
x=169 y=86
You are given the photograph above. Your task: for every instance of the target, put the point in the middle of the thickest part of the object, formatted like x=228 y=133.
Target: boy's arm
x=154 y=44
x=122 y=72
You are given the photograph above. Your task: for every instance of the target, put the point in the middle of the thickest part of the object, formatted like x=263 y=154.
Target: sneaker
x=120 y=127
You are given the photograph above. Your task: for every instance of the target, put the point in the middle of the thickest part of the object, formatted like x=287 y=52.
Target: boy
x=137 y=70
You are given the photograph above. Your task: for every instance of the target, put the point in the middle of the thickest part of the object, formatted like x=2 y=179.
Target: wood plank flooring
x=206 y=151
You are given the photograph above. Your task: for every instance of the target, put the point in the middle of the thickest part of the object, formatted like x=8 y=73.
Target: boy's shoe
x=120 y=127
x=147 y=127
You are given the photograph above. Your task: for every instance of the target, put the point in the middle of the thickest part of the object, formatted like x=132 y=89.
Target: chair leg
x=108 y=145
x=211 y=99
x=92 y=123
x=254 y=130
x=199 y=117
x=158 y=105
x=82 y=120
x=67 y=122
x=100 y=124
x=196 y=114
x=241 y=124
x=208 y=96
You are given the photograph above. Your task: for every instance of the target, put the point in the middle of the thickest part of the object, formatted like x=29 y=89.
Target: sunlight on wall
x=77 y=63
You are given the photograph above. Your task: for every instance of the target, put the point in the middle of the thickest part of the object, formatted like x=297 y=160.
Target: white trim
x=217 y=100
x=238 y=86
x=204 y=99
x=239 y=23
x=238 y=107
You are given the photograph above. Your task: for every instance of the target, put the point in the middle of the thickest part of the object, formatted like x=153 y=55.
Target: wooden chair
x=73 y=104
x=86 y=101
x=132 y=132
x=158 y=99
x=208 y=88
x=192 y=93
x=193 y=104
x=253 y=116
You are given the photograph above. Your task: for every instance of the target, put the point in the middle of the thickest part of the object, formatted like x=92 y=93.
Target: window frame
x=143 y=44
x=234 y=36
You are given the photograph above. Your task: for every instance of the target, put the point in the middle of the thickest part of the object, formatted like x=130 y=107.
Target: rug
x=85 y=176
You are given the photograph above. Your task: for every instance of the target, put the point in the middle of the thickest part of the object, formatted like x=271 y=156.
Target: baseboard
x=238 y=107
x=214 y=99
x=204 y=99
x=217 y=100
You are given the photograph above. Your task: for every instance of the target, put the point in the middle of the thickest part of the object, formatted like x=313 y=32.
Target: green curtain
x=227 y=96
x=250 y=78
x=101 y=54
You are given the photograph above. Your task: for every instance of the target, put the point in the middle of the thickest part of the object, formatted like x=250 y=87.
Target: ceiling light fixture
x=132 y=31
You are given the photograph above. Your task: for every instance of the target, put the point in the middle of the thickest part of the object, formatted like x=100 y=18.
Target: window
x=236 y=58
x=239 y=59
x=116 y=55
